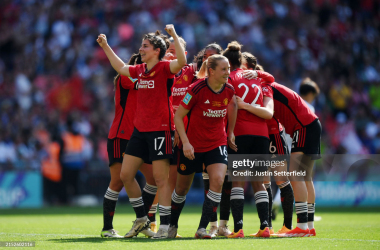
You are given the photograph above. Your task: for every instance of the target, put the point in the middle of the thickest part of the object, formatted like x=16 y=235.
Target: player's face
x=208 y=53
x=171 y=50
x=147 y=51
x=221 y=72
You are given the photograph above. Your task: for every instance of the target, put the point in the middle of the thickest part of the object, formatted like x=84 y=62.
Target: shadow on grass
x=144 y=240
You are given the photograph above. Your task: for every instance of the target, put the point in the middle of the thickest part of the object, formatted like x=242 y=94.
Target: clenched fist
x=102 y=40
x=170 y=29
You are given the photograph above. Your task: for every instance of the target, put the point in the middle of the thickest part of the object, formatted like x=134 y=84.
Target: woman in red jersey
x=279 y=150
x=119 y=134
x=222 y=229
x=251 y=136
x=207 y=102
x=298 y=120
x=151 y=138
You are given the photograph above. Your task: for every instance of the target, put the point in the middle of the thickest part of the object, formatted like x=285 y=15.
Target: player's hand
x=188 y=151
x=170 y=29
x=176 y=138
x=102 y=40
x=169 y=56
x=231 y=142
x=250 y=74
x=241 y=104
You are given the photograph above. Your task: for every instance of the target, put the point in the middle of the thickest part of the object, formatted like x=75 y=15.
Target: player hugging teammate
x=207 y=105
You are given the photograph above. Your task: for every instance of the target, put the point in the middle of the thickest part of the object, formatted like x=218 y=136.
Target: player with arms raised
x=151 y=138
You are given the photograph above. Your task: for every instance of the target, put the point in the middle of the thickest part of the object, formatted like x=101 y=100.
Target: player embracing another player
x=251 y=136
x=152 y=136
x=297 y=118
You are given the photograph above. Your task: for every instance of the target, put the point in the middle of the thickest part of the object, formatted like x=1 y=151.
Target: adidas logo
x=207 y=102
x=160 y=153
x=240 y=222
x=273 y=156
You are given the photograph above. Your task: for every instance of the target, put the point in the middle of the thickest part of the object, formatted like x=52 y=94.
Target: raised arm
x=232 y=115
x=176 y=65
x=116 y=62
x=265 y=112
x=188 y=149
x=253 y=74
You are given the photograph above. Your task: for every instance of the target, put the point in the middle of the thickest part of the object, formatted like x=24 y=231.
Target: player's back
x=289 y=108
x=250 y=92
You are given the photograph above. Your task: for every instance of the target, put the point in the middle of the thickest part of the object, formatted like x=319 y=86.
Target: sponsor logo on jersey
x=187 y=98
x=182 y=167
x=225 y=101
x=216 y=104
x=207 y=102
x=179 y=91
x=146 y=84
x=215 y=113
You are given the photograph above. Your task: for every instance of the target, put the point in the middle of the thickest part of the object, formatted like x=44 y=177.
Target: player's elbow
x=268 y=115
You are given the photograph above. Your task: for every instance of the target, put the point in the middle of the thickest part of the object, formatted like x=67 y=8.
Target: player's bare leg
x=129 y=168
x=161 y=176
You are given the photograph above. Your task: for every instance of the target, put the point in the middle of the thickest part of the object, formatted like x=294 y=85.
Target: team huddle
x=174 y=119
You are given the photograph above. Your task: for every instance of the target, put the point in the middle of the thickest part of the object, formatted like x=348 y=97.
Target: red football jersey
x=182 y=80
x=274 y=126
x=206 y=127
x=154 y=100
x=125 y=108
x=289 y=108
x=250 y=92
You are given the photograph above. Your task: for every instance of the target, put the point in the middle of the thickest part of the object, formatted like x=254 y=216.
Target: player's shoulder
x=197 y=86
x=229 y=87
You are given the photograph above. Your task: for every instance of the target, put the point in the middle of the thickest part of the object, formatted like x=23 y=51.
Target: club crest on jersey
x=182 y=167
x=187 y=98
x=185 y=78
x=216 y=104
x=225 y=101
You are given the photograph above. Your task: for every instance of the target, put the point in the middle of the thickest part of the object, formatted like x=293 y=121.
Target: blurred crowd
x=55 y=78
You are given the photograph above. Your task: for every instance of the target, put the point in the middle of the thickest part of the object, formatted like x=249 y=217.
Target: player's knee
x=126 y=178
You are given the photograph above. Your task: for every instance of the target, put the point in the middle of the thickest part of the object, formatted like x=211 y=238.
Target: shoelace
x=114 y=232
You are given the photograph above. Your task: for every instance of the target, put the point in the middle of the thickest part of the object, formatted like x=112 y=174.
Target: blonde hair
x=211 y=62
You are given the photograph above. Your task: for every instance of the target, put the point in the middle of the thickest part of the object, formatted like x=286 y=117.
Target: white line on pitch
x=52 y=235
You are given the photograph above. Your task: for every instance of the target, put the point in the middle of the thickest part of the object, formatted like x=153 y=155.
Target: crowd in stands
x=52 y=70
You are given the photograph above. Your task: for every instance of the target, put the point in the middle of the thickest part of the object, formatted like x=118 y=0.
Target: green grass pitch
x=79 y=228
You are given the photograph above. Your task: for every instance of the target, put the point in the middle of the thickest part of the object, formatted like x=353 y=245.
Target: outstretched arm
x=176 y=65
x=265 y=112
x=116 y=62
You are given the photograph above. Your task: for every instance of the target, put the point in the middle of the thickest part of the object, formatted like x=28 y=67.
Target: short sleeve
x=167 y=69
x=133 y=70
x=267 y=91
x=127 y=82
x=189 y=100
